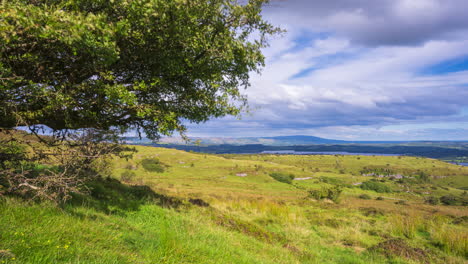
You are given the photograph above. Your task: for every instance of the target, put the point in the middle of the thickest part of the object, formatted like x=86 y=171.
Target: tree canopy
x=144 y=64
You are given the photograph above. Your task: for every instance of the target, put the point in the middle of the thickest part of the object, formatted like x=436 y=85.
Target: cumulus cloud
x=349 y=68
x=383 y=22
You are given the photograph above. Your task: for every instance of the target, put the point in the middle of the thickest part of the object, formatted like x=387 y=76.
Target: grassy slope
x=252 y=219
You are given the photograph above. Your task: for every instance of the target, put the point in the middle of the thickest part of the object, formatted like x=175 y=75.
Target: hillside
x=171 y=206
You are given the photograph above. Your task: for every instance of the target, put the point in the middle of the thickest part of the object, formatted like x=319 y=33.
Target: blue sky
x=361 y=70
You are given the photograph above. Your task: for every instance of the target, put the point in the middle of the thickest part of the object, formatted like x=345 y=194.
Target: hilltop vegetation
x=170 y=206
x=451 y=151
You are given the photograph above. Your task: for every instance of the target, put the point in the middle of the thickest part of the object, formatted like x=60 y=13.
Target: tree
x=90 y=69
x=127 y=64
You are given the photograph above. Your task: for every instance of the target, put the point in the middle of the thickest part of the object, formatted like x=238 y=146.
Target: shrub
x=449 y=199
x=365 y=197
x=56 y=166
x=127 y=176
x=131 y=166
x=153 y=164
x=12 y=154
x=330 y=180
x=401 y=202
x=282 y=177
x=464 y=200
x=431 y=200
x=424 y=177
x=377 y=171
x=375 y=186
x=371 y=211
x=332 y=193
x=380 y=198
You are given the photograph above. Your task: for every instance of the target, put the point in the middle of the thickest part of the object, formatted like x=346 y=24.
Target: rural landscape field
x=233 y=131
x=170 y=206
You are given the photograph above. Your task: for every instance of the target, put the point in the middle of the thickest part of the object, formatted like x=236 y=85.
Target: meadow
x=171 y=206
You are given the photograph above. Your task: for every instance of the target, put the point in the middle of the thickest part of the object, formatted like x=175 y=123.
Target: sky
x=359 y=70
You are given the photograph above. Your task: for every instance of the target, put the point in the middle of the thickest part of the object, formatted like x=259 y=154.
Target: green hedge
x=283 y=177
x=375 y=186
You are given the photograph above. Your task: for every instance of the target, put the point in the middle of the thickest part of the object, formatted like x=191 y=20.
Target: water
x=461 y=163
x=292 y=152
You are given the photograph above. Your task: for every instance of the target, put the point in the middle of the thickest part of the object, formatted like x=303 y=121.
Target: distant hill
x=268 y=141
x=282 y=141
x=300 y=140
x=448 y=150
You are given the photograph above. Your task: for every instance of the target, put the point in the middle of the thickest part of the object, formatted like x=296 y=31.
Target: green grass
x=251 y=217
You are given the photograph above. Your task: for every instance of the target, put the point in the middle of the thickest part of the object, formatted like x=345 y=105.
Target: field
x=171 y=206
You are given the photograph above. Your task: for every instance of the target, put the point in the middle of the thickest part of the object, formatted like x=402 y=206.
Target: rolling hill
x=203 y=208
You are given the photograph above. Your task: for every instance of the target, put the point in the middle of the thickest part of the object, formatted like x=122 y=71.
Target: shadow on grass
x=110 y=196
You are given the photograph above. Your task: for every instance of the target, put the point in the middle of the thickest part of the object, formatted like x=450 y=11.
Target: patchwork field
x=170 y=206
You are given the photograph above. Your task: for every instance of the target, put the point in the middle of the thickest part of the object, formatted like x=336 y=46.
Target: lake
x=461 y=163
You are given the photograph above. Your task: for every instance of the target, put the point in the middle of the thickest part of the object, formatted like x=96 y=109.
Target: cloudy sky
x=361 y=70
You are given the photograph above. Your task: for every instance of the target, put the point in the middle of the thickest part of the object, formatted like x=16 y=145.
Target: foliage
x=377 y=171
x=375 y=186
x=331 y=180
x=365 y=196
x=127 y=176
x=153 y=164
x=424 y=177
x=53 y=169
x=12 y=154
x=127 y=64
x=449 y=199
x=431 y=200
x=401 y=202
x=283 y=177
x=331 y=193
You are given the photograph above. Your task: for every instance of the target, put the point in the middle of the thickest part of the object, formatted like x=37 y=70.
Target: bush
x=371 y=211
x=375 y=186
x=12 y=154
x=283 y=177
x=56 y=166
x=153 y=164
x=131 y=166
x=365 y=197
x=127 y=176
x=449 y=199
x=424 y=177
x=401 y=202
x=431 y=200
x=464 y=200
x=377 y=171
x=380 y=198
x=332 y=193
x=330 y=180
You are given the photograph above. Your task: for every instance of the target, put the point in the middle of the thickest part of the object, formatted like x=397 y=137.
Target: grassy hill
x=171 y=206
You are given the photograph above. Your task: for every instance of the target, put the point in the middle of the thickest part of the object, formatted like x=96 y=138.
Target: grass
x=204 y=208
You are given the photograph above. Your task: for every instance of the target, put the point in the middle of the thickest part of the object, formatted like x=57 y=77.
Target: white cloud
x=345 y=69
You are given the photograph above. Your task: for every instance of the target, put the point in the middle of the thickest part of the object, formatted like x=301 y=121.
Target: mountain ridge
x=268 y=141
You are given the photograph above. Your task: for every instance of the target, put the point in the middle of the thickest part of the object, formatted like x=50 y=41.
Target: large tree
x=144 y=64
